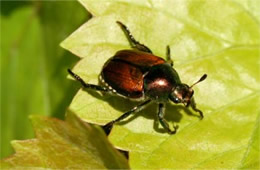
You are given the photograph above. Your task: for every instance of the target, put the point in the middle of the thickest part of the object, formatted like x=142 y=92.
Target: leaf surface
x=217 y=37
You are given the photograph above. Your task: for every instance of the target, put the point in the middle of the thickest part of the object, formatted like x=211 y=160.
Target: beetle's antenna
x=200 y=80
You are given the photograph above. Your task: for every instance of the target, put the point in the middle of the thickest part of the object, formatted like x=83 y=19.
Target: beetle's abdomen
x=124 y=72
x=124 y=78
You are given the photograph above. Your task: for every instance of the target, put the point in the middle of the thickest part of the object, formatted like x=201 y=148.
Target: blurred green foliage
x=33 y=65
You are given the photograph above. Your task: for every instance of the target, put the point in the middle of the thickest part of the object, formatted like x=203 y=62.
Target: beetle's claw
x=175 y=127
x=201 y=114
x=107 y=127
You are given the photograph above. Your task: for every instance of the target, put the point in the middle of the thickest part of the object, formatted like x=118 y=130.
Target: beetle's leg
x=137 y=108
x=163 y=121
x=193 y=106
x=168 y=55
x=89 y=86
x=131 y=39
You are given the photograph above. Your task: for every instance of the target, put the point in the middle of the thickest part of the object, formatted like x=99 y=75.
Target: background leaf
x=60 y=145
x=217 y=37
x=33 y=65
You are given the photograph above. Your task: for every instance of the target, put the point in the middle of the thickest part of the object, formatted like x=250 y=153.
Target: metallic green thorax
x=160 y=81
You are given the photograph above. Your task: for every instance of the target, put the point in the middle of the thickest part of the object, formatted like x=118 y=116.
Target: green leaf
x=33 y=65
x=217 y=37
x=73 y=144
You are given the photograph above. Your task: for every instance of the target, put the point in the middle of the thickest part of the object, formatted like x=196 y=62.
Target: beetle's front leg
x=163 y=121
x=193 y=106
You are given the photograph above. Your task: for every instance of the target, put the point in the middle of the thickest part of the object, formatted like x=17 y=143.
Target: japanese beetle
x=139 y=74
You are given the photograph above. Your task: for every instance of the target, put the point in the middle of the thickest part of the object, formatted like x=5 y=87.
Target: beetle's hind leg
x=163 y=121
x=193 y=106
x=168 y=55
x=131 y=39
x=89 y=86
x=137 y=108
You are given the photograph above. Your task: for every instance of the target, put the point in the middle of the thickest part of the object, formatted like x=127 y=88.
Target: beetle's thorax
x=159 y=82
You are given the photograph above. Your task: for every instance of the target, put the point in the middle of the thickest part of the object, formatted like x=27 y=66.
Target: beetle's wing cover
x=138 y=58
x=126 y=79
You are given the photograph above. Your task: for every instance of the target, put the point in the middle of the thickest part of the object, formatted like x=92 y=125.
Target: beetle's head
x=182 y=93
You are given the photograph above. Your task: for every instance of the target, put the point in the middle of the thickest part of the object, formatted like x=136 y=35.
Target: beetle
x=139 y=74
